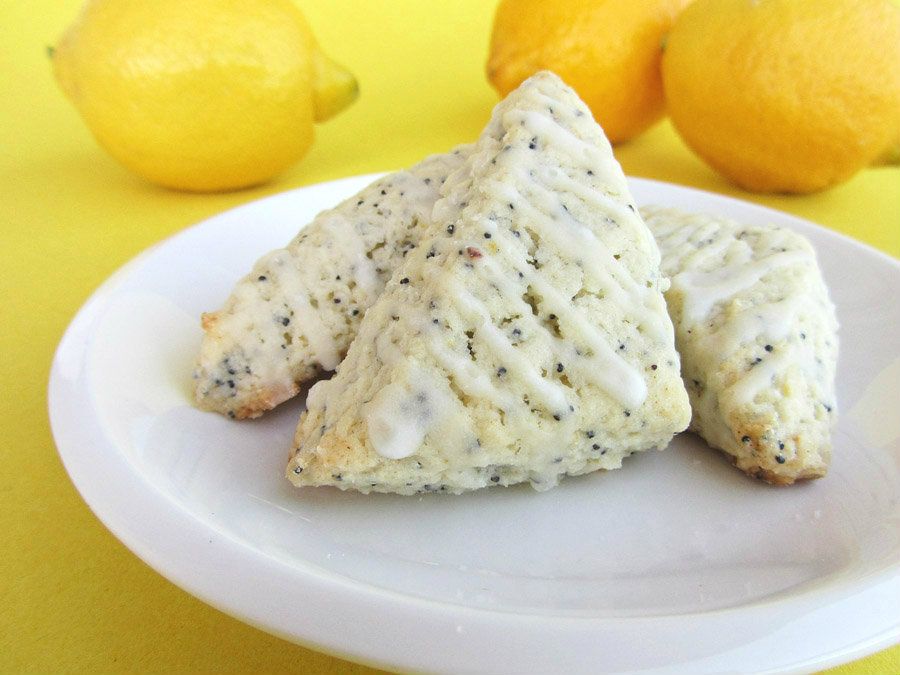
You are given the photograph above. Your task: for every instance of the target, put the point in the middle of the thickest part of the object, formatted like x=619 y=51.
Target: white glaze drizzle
x=606 y=368
x=582 y=244
x=703 y=290
x=394 y=430
x=773 y=320
x=345 y=238
x=579 y=242
x=306 y=317
x=467 y=376
x=551 y=394
x=692 y=248
x=563 y=139
x=757 y=379
x=403 y=413
x=554 y=224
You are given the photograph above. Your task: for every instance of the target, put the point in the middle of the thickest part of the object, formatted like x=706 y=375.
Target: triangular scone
x=296 y=313
x=757 y=335
x=525 y=338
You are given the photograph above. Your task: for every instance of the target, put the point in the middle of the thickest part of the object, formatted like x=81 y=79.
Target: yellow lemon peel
x=200 y=95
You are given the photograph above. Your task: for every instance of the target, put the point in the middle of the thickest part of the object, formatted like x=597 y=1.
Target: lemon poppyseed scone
x=295 y=314
x=757 y=335
x=526 y=337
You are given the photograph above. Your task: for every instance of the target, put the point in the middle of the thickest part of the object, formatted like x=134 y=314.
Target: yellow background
x=73 y=598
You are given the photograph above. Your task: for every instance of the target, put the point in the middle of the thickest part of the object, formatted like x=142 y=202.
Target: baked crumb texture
x=293 y=317
x=525 y=338
x=757 y=335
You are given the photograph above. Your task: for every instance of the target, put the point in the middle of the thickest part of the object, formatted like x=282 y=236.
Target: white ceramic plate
x=674 y=564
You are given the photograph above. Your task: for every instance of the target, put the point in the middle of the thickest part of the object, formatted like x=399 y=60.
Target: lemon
x=891 y=155
x=785 y=95
x=607 y=50
x=200 y=95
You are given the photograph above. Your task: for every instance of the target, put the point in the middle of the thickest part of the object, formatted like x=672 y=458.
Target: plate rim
x=76 y=441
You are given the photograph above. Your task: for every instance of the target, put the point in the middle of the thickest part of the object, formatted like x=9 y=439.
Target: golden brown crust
x=773 y=478
x=760 y=454
x=347 y=449
x=208 y=321
x=261 y=401
x=755 y=455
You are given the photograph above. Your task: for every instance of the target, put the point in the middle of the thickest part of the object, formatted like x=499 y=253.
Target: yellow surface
x=73 y=598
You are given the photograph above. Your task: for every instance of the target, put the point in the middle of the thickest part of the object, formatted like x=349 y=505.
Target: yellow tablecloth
x=73 y=598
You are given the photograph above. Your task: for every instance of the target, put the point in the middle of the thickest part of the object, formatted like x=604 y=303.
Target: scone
x=296 y=312
x=757 y=335
x=526 y=338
